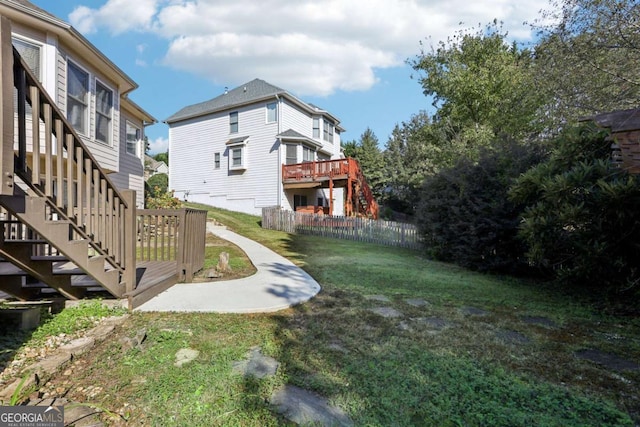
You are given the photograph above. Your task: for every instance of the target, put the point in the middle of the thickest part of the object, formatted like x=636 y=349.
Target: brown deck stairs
x=66 y=228
x=346 y=173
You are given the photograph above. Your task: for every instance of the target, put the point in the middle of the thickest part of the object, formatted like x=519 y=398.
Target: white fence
x=359 y=229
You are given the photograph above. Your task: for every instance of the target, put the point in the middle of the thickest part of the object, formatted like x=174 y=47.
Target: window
x=330 y=132
x=133 y=139
x=216 y=161
x=316 y=127
x=104 y=102
x=272 y=112
x=236 y=157
x=233 y=122
x=77 y=90
x=292 y=154
x=307 y=154
x=30 y=53
x=326 y=131
x=299 y=200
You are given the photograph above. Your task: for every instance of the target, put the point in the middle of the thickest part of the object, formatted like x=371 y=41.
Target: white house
x=229 y=151
x=88 y=87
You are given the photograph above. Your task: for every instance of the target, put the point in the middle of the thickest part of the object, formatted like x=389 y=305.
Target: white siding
x=130 y=175
x=193 y=144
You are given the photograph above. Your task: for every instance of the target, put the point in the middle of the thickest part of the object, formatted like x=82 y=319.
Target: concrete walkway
x=278 y=284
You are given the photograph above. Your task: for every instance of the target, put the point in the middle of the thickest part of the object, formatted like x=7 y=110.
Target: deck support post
x=7 y=114
x=330 y=195
x=130 y=235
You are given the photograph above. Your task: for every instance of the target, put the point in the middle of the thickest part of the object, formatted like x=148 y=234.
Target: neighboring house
x=625 y=133
x=88 y=87
x=229 y=151
x=154 y=167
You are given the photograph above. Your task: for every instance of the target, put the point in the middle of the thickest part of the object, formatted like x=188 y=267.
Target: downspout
x=279 y=160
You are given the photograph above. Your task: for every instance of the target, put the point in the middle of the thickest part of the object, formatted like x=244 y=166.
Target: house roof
x=152 y=164
x=292 y=135
x=254 y=91
x=619 y=121
x=28 y=14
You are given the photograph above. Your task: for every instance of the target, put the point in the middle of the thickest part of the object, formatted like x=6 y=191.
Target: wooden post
x=130 y=237
x=180 y=255
x=6 y=115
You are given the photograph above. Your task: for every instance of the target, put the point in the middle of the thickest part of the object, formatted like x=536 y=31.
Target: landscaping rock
x=51 y=364
x=417 y=302
x=473 y=311
x=306 y=408
x=380 y=298
x=389 y=312
x=185 y=355
x=608 y=360
x=79 y=346
x=257 y=364
x=512 y=337
x=539 y=320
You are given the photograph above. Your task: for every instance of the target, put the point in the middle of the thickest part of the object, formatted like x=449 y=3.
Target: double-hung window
x=307 y=154
x=77 y=97
x=104 y=105
x=216 y=161
x=30 y=54
x=133 y=138
x=272 y=112
x=326 y=130
x=237 y=153
x=316 y=127
x=237 y=157
x=233 y=122
x=292 y=154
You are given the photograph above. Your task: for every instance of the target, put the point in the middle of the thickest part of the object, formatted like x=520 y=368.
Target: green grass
x=381 y=371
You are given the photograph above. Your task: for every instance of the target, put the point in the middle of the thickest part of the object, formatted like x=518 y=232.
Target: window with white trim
x=292 y=154
x=237 y=157
x=272 y=112
x=104 y=106
x=77 y=97
x=307 y=154
x=325 y=132
x=30 y=53
x=133 y=139
x=233 y=122
x=216 y=161
x=316 y=127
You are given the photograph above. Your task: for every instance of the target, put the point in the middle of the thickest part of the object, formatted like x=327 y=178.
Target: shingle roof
x=290 y=133
x=244 y=94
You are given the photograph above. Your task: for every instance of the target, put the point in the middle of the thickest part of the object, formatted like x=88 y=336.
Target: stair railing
x=53 y=162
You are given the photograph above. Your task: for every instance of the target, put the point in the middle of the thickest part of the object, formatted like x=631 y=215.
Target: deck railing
x=316 y=170
x=173 y=235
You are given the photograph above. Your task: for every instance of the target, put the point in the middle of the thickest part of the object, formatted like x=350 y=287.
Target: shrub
x=158 y=181
x=464 y=214
x=581 y=222
x=162 y=200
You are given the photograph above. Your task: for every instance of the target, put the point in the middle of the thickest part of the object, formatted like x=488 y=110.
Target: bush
x=581 y=223
x=464 y=214
x=162 y=200
x=157 y=184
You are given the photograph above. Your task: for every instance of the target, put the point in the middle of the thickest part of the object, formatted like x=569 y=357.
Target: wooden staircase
x=61 y=215
x=362 y=201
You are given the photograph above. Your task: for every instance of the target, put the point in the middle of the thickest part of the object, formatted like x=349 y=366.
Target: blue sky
x=346 y=56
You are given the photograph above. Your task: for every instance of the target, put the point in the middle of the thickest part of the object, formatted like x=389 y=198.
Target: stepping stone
x=539 y=320
x=386 y=312
x=185 y=355
x=473 y=311
x=380 y=298
x=303 y=407
x=257 y=365
x=513 y=337
x=416 y=302
x=608 y=360
x=434 y=322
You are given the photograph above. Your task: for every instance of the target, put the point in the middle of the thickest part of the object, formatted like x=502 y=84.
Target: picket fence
x=389 y=233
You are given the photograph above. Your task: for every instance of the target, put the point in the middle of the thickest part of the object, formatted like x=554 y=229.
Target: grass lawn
x=464 y=350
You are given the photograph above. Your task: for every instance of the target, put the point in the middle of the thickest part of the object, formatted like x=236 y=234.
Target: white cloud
x=311 y=47
x=158 y=145
x=118 y=16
